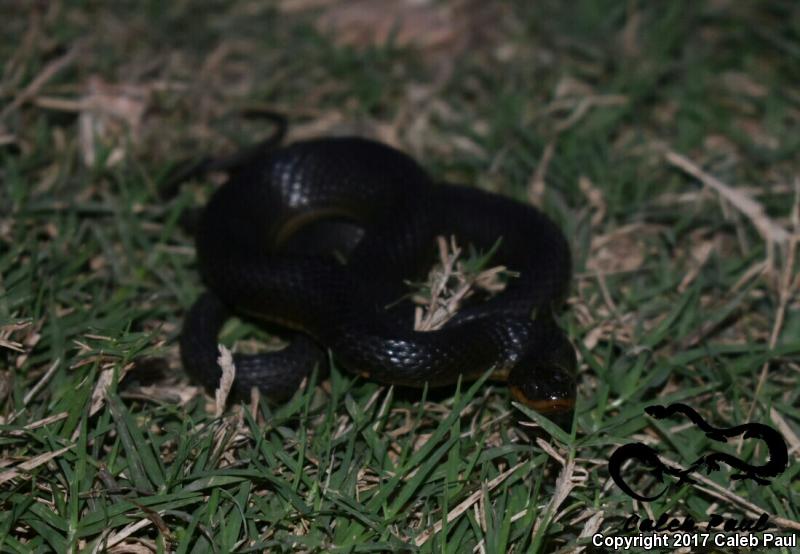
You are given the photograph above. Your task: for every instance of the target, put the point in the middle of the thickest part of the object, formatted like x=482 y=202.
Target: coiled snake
x=264 y=244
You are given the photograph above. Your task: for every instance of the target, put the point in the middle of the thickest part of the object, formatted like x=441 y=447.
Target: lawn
x=661 y=136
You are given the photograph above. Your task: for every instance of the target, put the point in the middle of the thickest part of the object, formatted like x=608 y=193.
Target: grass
x=678 y=296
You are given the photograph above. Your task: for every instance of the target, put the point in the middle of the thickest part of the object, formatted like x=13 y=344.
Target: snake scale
x=320 y=236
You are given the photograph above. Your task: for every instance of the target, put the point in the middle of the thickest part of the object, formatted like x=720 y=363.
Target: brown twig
x=49 y=71
x=784 y=294
x=225 y=362
x=769 y=230
x=537 y=184
x=449 y=284
x=466 y=504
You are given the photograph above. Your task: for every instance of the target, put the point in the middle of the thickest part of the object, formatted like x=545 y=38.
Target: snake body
x=264 y=246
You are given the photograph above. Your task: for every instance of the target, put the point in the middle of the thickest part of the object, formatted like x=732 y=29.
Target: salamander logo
x=776 y=463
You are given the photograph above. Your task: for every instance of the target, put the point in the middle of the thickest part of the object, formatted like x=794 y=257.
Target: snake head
x=658 y=412
x=544 y=380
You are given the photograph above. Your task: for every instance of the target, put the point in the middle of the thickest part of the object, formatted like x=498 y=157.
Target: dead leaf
x=225 y=361
x=110 y=115
x=742 y=83
x=620 y=250
x=373 y=23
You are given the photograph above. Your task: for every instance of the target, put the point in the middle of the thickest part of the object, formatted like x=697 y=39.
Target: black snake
x=264 y=249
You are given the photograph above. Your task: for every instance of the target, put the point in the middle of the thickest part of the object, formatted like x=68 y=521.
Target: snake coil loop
x=264 y=244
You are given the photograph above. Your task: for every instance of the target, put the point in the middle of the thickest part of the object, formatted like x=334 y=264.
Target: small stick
x=49 y=71
x=754 y=211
